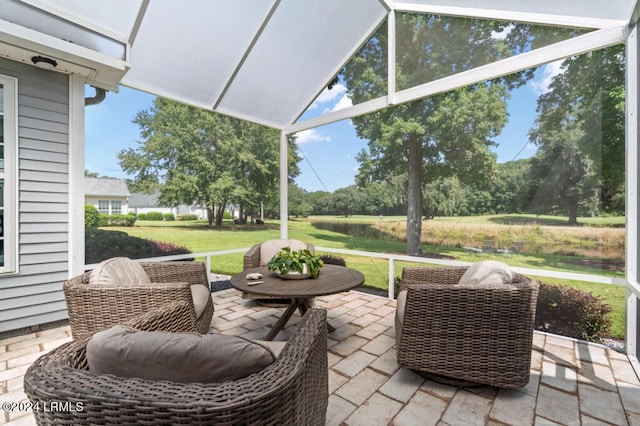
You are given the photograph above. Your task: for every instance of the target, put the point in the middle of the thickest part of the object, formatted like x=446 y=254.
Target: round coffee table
x=332 y=279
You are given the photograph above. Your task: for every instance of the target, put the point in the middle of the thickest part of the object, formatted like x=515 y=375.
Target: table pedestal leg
x=303 y=306
x=282 y=321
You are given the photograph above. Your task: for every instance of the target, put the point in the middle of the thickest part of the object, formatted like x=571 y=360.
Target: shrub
x=168 y=216
x=103 y=244
x=187 y=217
x=226 y=214
x=333 y=260
x=142 y=216
x=131 y=213
x=91 y=216
x=117 y=220
x=571 y=312
x=154 y=216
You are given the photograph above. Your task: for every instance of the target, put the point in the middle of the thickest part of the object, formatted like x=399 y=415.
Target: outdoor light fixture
x=44 y=63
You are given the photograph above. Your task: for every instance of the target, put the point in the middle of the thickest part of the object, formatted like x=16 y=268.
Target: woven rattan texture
x=476 y=333
x=93 y=308
x=291 y=391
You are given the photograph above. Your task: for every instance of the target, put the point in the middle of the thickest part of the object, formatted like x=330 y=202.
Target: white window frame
x=104 y=207
x=10 y=223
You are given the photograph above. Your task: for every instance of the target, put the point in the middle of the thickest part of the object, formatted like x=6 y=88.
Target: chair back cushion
x=176 y=357
x=269 y=248
x=119 y=270
x=201 y=296
x=487 y=272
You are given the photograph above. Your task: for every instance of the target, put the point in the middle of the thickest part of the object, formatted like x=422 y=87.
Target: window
x=8 y=165
x=103 y=206
x=116 y=207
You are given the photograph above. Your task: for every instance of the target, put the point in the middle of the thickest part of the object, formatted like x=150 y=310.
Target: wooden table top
x=332 y=279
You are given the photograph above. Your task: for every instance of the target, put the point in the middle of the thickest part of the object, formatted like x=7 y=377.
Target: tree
x=566 y=179
x=589 y=96
x=444 y=135
x=196 y=156
x=348 y=200
x=584 y=109
x=443 y=197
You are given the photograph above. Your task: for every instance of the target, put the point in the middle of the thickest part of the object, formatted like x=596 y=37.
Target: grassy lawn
x=199 y=237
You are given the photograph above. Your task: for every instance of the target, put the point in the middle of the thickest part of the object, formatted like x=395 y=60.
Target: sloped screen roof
x=263 y=60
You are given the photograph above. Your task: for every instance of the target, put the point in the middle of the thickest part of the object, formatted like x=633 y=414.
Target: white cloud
x=344 y=102
x=548 y=73
x=502 y=34
x=328 y=95
x=311 y=135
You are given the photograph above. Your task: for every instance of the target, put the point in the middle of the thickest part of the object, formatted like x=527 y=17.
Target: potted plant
x=295 y=264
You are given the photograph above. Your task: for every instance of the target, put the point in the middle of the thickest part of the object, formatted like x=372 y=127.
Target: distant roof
x=106 y=187
x=142 y=200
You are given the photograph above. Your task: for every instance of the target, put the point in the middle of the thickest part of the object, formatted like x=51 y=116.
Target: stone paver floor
x=572 y=382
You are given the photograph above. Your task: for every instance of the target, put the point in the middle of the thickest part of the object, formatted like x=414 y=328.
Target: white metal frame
x=632 y=156
x=10 y=175
x=76 y=175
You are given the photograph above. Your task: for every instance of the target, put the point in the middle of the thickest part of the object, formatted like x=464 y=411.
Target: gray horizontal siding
x=34 y=296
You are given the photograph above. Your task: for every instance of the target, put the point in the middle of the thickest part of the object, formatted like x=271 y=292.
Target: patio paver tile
x=362 y=386
x=559 y=341
x=344 y=331
x=402 y=385
x=422 y=409
x=597 y=375
x=371 y=331
x=338 y=410
x=363 y=320
x=513 y=407
x=559 y=376
x=601 y=404
x=591 y=353
x=468 y=409
x=630 y=396
x=559 y=355
x=387 y=363
x=557 y=406
x=349 y=345
x=336 y=380
x=623 y=372
x=376 y=411
x=379 y=345
x=354 y=363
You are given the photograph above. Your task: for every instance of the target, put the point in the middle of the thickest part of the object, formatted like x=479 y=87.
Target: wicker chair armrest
x=251 y=258
x=176 y=317
x=167 y=272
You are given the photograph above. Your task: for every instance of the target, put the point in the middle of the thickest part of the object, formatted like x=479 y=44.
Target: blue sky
x=329 y=151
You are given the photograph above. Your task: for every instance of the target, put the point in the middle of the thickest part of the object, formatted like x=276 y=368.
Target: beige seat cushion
x=201 y=296
x=177 y=357
x=269 y=248
x=119 y=270
x=401 y=302
x=487 y=272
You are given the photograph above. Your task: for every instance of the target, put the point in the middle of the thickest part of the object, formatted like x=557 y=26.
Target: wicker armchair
x=93 y=308
x=253 y=255
x=293 y=390
x=473 y=334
